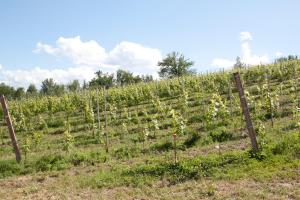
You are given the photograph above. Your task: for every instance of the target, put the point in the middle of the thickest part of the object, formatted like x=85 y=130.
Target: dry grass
x=65 y=185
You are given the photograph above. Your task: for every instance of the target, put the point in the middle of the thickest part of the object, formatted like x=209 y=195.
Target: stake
x=246 y=112
x=105 y=109
x=270 y=99
x=10 y=128
x=230 y=94
x=98 y=111
x=175 y=150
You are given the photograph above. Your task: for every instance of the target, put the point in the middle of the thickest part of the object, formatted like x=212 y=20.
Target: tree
x=59 y=89
x=49 y=87
x=20 y=92
x=74 y=86
x=288 y=58
x=124 y=77
x=31 y=90
x=147 y=78
x=6 y=90
x=238 y=63
x=175 y=65
x=102 y=79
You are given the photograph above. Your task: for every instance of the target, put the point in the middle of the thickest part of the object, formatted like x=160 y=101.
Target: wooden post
x=98 y=111
x=246 y=112
x=105 y=110
x=10 y=128
x=270 y=98
x=230 y=94
x=175 y=147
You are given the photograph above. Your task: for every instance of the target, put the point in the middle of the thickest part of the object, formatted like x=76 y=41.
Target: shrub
x=221 y=134
x=165 y=146
x=78 y=158
x=192 y=140
x=9 y=168
x=51 y=162
x=126 y=152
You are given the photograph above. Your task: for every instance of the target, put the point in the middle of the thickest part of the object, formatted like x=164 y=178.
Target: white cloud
x=80 y=53
x=23 y=78
x=128 y=55
x=279 y=54
x=87 y=58
x=247 y=56
x=135 y=57
x=222 y=63
x=244 y=36
x=251 y=59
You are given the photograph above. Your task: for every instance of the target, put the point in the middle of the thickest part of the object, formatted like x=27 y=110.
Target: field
x=119 y=143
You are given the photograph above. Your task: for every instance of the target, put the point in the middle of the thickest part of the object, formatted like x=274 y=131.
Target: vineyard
x=185 y=136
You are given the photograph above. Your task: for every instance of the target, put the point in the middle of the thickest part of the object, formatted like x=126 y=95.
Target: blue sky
x=40 y=38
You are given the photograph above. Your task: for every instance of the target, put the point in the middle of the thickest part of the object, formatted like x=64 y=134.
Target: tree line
x=173 y=65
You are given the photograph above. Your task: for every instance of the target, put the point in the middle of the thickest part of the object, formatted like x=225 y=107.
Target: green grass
x=130 y=163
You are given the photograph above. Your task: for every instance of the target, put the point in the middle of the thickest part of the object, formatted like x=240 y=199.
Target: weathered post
x=98 y=111
x=175 y=147
x=245 y=110
x=105 y=112
x=10 y=128
x=270 y=98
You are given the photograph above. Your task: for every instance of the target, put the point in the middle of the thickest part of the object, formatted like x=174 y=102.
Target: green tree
x=124 y=77
x=102 y=79
x=20 y=92
x=49 y=87
x=31 y=90
x=175 y=65
x=74 y=86
x=238 y=63
x=6 y=90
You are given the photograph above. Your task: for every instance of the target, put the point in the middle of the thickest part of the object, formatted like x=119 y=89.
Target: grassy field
x=215 y=160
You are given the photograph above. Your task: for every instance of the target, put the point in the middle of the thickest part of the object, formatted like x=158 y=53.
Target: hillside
x=67 y=154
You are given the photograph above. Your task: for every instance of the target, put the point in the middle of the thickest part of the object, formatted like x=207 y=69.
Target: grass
x=132 y=169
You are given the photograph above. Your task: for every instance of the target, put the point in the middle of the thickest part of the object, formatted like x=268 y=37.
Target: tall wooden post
x=246 y=112
x=105 y=112
x=98 y=111
x=270 y=98
x=10 y=128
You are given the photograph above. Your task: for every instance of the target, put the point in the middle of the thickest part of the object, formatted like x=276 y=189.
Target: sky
x=67 y=39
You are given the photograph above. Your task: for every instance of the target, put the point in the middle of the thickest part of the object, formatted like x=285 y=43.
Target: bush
x=126 y=152
x=165 y=146
x=192 y=140
x=220 y=134
x=9 y=168
x=288 y=145
x=78 y=158
x=195 y=118
x=51 y=162
x=56 y=123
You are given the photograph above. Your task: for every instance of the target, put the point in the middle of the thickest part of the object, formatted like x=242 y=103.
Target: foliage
x=175 y=65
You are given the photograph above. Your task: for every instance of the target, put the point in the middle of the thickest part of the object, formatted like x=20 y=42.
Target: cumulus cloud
x=126 y=54
x=80 y=53
x=134 y=57
x=251 y=59
x=222 y=63
x=36 y=75
x=279 y=54
x=87 y=58
x=247 y=56
x=244 y=36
